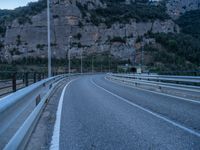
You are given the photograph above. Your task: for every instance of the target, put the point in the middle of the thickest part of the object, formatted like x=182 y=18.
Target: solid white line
x=164 y=94
x=56 y=132
x=150 y=112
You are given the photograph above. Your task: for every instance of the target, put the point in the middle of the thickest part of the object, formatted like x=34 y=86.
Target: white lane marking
x=181 y=98
x=56 y=132
x=150 y=112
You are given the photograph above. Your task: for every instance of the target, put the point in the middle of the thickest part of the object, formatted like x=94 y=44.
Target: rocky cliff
x=76 y=18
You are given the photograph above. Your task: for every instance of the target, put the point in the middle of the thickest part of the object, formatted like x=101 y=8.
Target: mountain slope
x=117 y=28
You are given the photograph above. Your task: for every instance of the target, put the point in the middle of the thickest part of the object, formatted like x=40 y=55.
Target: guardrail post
x=39 y=76
x=38 y=99
x=34 y=77
x=26 y=79
x=23 y=78
x=42 y=75
x=14 y=85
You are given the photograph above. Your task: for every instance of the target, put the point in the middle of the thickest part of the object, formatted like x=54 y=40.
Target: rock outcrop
x=22 y=40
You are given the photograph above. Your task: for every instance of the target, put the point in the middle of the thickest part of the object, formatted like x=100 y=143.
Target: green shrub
x=80 y=24
x=2 y=30
x=139 y=39
x=123 y=13
x=190 y=23
x=78 y=36
x=22 y=14
x=24 y=19
x=181 y=45
x=18 y=40
x=40 y=46
x=55 y=16
x=119 y=11
x=1 y=45
x=118 y=39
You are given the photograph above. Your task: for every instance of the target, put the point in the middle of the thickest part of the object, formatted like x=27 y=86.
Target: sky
x=11 y=4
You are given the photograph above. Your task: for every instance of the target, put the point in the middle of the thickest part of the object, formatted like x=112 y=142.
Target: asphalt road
x=101 y=115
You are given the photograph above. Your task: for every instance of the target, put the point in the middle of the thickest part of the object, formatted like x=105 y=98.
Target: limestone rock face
x=66 y=20
x=177 y=7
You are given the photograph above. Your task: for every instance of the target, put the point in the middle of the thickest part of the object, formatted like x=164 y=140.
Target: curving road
x=98 y=114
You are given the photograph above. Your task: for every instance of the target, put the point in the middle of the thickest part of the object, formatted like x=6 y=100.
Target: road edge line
x=163 y=94
x=56 y=132
x=193 y=132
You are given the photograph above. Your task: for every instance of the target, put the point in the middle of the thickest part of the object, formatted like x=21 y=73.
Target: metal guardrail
x=17 y=80
x=189 y=79
x=186 y=84
x=19 y=110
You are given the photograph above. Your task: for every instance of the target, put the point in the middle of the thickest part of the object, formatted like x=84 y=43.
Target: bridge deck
x=99 y=114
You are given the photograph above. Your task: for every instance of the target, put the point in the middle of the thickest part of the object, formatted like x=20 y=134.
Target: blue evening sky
x=11 y=4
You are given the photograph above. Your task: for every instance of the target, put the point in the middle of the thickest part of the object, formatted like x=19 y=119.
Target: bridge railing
x=187 y=84
x=11 y=81
x=20 y=110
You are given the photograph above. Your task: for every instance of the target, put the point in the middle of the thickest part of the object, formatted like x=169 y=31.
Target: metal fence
x=12 y=81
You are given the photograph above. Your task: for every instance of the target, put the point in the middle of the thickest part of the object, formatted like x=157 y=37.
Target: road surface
x=98 y=114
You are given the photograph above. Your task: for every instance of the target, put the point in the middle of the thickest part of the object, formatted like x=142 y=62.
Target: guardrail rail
x=187 y=85
x=20 y=110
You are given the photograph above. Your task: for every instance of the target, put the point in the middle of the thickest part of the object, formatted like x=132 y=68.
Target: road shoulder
x=42 y=134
